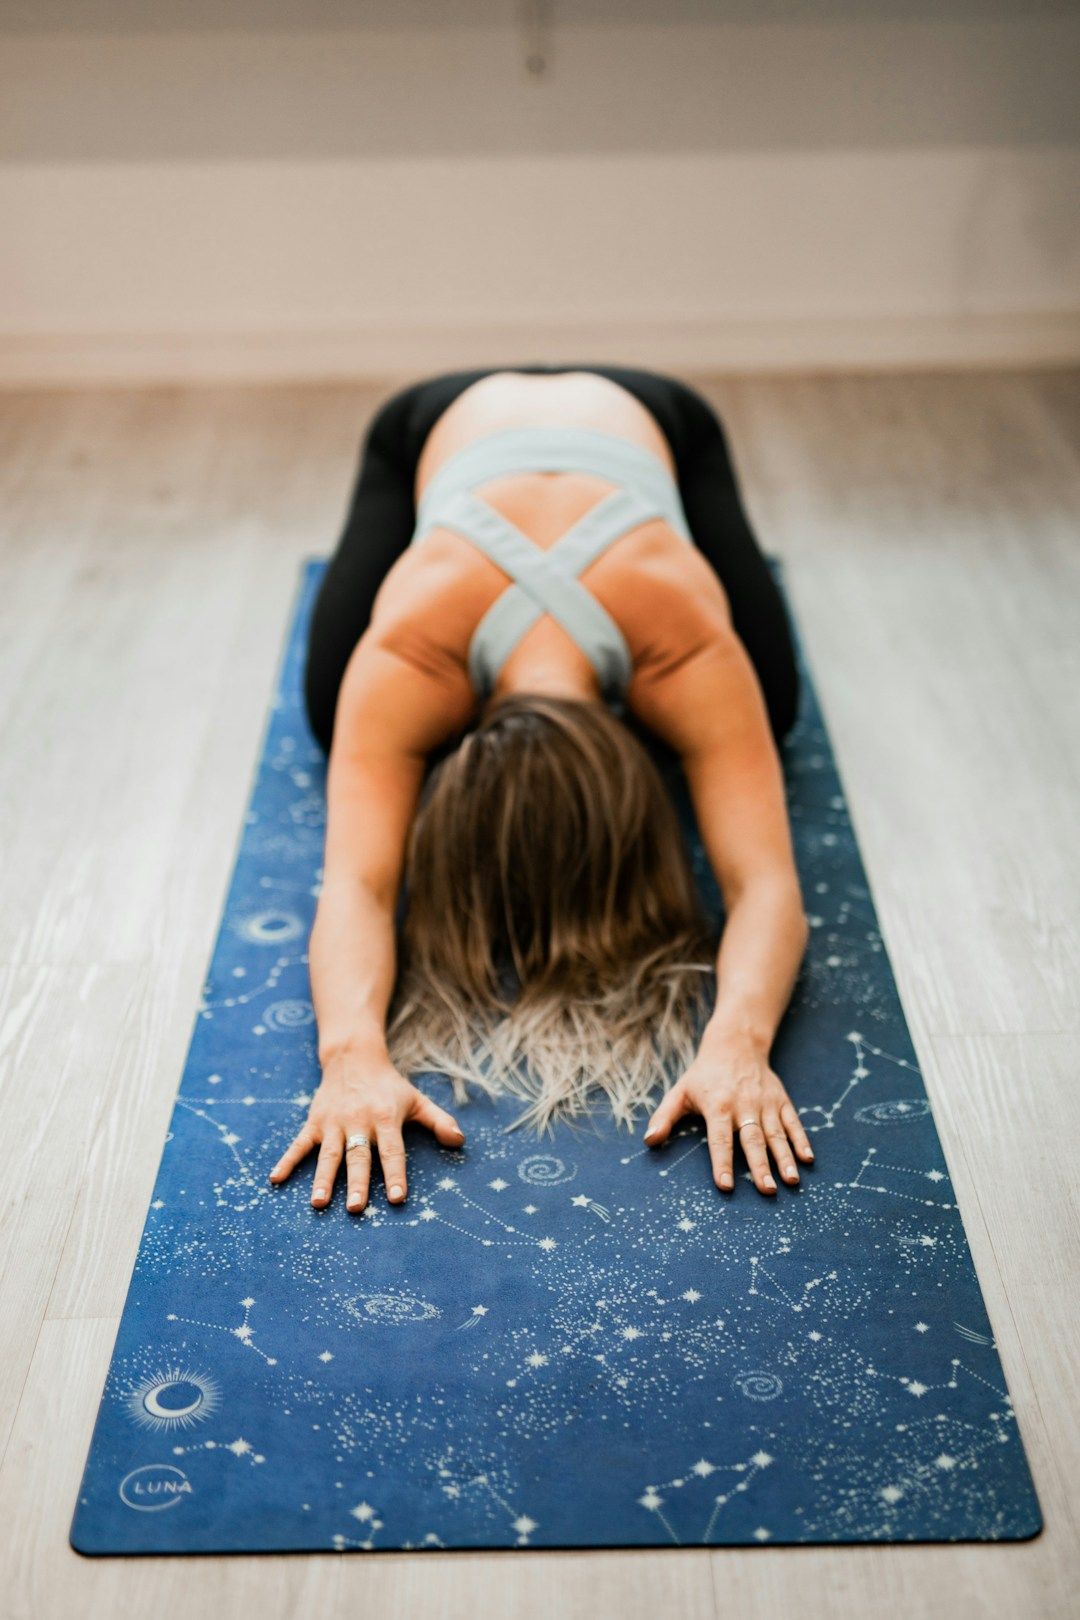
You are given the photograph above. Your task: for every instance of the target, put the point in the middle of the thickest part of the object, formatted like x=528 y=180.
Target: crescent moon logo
x=173 y=1414
x=176 y=1398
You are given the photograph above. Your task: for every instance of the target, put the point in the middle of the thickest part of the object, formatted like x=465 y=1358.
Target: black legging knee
x=382 y=518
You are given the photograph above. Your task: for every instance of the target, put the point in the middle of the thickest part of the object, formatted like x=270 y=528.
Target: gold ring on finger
x=357 y=1139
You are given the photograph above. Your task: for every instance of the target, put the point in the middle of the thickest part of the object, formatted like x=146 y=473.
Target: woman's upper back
x=657 y=591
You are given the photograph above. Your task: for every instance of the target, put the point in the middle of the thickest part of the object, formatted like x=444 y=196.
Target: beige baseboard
x=385 y=349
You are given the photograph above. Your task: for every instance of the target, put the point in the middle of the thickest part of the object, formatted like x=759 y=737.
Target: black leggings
x=382 y=518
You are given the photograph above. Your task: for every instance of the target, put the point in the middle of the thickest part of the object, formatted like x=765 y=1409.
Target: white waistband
x=554 y=449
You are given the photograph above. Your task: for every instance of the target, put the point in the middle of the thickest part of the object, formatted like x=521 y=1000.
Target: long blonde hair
x=553 y=940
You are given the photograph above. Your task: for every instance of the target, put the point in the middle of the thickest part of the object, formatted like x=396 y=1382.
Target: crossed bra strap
x=545 y=581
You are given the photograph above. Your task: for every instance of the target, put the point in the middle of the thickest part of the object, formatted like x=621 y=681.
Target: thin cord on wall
x=537 y=23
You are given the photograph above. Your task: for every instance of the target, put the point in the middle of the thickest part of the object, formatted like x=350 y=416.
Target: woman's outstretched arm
x=391 y=714
x=709 y=706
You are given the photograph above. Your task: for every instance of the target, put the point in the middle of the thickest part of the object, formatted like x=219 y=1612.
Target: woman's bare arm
x=392 y=712
x=709 y=706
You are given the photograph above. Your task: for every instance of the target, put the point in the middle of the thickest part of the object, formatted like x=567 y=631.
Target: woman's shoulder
x=400 y=696
x=408 y=673
x=664 y=595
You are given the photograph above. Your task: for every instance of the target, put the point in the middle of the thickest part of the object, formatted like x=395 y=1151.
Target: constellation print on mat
x=572 y=1340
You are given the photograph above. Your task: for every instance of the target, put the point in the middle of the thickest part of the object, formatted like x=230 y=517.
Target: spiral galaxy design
x=759 y=1386
x=545 y=1170
x=286 y=1015
x=392 y=1310
x=901 y=1111
x=271 y=927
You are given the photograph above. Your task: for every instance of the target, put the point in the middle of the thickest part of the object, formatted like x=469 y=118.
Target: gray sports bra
x=545 y=581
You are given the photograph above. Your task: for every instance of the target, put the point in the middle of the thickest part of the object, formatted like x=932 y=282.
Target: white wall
x=267 y=189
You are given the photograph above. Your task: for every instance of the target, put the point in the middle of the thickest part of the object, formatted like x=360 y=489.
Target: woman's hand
x=728 y=1083
x=371 y=1100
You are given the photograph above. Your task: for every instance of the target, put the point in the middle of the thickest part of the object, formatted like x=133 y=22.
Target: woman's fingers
x=673 y=1106
x=447 y=1130
x=298 y=1149
x=778 y=1131
x=752 y=1138
x=790 y=1119
x=392 y=1159
x=326 y=1167
x=357 y=1169
x=718 y=1133
x=776 y=1137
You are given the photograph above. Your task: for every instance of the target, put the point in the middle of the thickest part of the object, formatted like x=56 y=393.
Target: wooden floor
x=148 y=558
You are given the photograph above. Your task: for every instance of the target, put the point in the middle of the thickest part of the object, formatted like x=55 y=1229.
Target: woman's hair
x=553 y=941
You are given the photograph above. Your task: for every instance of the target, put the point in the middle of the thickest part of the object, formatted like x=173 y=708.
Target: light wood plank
x=147 y=565
x=929 y=531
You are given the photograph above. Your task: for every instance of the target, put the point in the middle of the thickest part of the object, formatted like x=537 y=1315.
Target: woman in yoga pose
x=542 y=570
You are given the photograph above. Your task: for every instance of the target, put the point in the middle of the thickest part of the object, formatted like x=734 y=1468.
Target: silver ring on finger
x=750 y=1121
x=356 y=1140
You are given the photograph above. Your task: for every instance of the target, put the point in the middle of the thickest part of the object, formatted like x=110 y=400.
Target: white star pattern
x=366 y=1373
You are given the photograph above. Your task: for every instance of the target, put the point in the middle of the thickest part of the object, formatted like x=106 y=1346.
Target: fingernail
x=353 y=1201
x=650 y=1132
x=791 y=1173
x=459 y=1132
x=395 y=1191
x=320 y=1192
x=770 y=1183
x=725 y=1179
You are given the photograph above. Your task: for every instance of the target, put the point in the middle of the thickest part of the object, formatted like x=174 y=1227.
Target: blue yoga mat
x=555 y=1342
